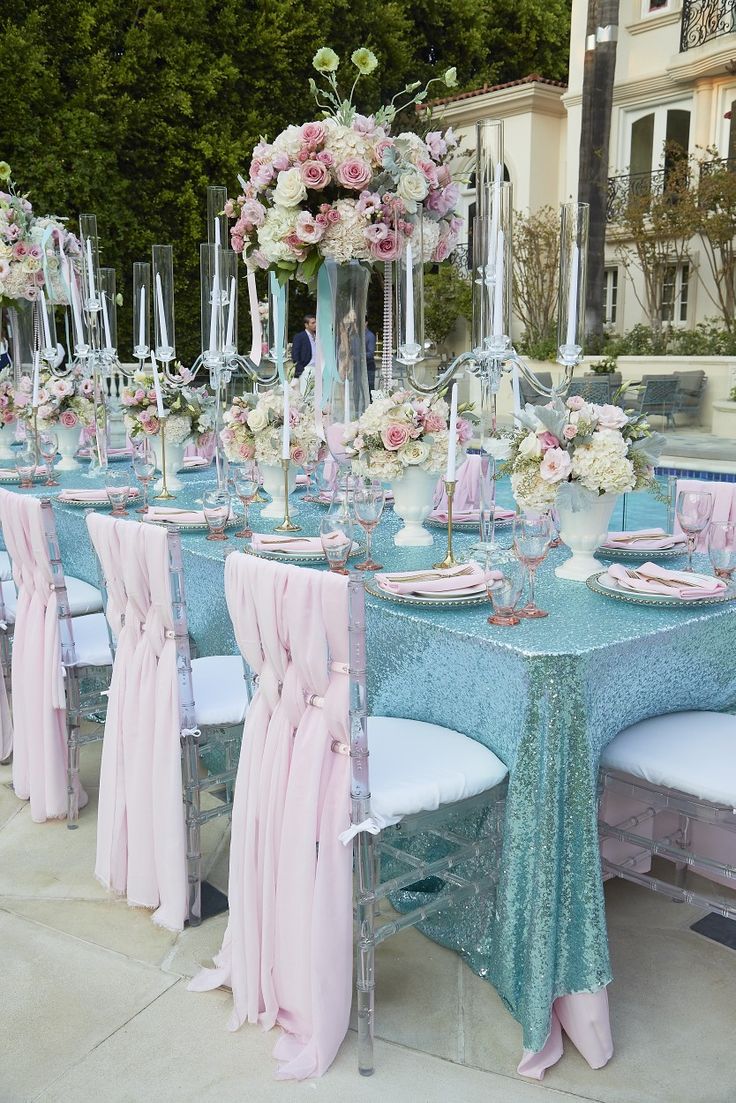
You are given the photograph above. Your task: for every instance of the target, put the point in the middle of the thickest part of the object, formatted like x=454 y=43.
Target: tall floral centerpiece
x=403 y=439
x=8 y=412
x=577 y=457
x=253 y=430
x=333 y=197
x=65 y=405
x=186 y=412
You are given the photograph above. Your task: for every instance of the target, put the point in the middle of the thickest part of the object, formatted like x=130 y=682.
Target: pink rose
x=556 y=465
x=8 y=417
x=325 y=157
x=569 y=432
x=611 y=417
x=387 y=248
x=281 y=162
x=394 y=436
x=246 y=451
x=464 y=431
x=354 y=173
x=229 y=208
x=252 y=213
x=69 y=419
x=314 y=175
x=333 y=215
x=314 y=134
x=151 y=396
x=227 y=436
x=140 y=395
x=35 y=252
x=443 y=248
x=548 y=440
x=433 y=423
x=260 y=173
x=237 y=242
x=20 y=250
x=150 y=426
x=576 y=402
x=298 y=455
x=380 y=148
x=429 y=171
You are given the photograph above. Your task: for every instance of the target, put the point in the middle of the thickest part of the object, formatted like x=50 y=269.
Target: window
x=675 y=293
x=654 y=137
x=652 y=7
x=610 y=296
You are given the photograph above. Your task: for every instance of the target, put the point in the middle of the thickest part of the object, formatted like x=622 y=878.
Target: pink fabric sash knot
x=585 y=1019
x=467 y=488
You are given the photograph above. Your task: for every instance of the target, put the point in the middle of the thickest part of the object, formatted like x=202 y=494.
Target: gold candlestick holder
x=164 y=496
x=449 y=560
x=286 y=525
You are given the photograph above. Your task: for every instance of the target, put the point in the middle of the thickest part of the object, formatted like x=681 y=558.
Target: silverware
x=427 y=575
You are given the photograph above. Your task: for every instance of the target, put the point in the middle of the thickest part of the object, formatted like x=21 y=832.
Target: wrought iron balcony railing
x=622 y=190
x=707 y=168
x=703 y=20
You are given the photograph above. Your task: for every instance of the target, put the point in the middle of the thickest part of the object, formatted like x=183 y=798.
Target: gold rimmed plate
x=191 y=526
x=602 y=583
x=303 y=559
x=640 y=553
x=429 y=601
x=101 y=503
x=466 y=526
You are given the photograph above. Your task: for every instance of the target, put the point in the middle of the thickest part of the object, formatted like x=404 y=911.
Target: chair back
x=530 y=393
x=6 y=718
x=141 y=842
x=287 y=950
x=43 y=645
x=724 y=503
x=659 y=396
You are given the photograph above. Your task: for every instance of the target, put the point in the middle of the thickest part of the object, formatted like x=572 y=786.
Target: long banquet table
x=546 y=697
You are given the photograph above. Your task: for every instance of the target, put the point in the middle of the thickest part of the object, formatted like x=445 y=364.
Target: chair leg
x=366 y=950
x=72 y=771
x=681 y=868
x=190 y=763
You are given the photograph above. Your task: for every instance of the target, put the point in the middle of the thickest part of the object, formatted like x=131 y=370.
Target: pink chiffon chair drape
x=287 y=951
x=6 y=717
x=205 y=448
x=467 y=490
x=40 y=736
x=141 y=844
x=724 y=503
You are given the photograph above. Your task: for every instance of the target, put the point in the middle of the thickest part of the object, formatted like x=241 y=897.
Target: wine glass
x=336 y=534
x=245 y=485
x=722 y=548
x=504 y=583
x=554 y=517
x=216 y=505
x=25 y=465
x=117 y=487
x=694 y=510
x=532 y=536
x=487 y=503
x=369 y=497
x=48 y=446
x=144 y=468
x=309 y=467
x=325 y=484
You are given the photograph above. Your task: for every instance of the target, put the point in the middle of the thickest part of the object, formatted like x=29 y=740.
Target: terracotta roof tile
x=533 y=78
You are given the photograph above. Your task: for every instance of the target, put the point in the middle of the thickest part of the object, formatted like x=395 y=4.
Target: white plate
x=602 y=583
x=430 y=601
x=304 y=558
x=640 y=553
x=86 y=503
x=466 y=526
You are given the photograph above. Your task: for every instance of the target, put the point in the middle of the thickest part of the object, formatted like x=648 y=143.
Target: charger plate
x=640 y=553
x=465 y=526
x=600 y=583
x=192 y=526
x=303 y=559
x=14 y=480
x=426 y=601
x=85 y=503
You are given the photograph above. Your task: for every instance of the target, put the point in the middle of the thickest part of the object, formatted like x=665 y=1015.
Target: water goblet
x=48 y=446
x=694 y=511
x=325 y=484
x=336 y=534
x=369 y=497
x=554 y=517
x=144 y=468
x=532 y=536
x=216 y=505
x=25 y=465
x=117 y=487
x=309 y=467
x=504 y=591
x=722 y=548
x=245 y=485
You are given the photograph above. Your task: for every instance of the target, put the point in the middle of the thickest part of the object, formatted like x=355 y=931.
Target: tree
x=536 y=273
x=598 y=76
x=447 y=297
x=716 y=223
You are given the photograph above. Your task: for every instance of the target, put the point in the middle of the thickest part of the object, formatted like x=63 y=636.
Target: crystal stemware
x=325 y=483
x=369 y=497
x=694 y=511
x=532 y=536
x=504 y=583
x=722 y=548
x=25 y=465
x=336 y=534
x=117 y=487
x=48 y=446
x=144 y=468
x=216 y=505
x=245 y=485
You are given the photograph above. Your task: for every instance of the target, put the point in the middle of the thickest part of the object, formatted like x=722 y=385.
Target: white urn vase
x=413 y=501
x=7 y=436
x=584 y=517
x=174 y=462
x=273 y=484
x=68 y=444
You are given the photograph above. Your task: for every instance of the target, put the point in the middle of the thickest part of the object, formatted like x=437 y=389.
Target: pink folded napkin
x=177 y=516
x=650 y=540
x=469 y=515
x=111 y=451
x=294 y=545
x=96 y=495
x=653 y=579
x=12 y=472
x=195 y=461
x=450 y=580
x=301 y=480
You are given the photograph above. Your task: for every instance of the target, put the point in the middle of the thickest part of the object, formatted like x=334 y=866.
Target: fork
x=428 y=575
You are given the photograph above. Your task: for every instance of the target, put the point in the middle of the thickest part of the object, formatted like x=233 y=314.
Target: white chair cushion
x=694 y=752
x=416 y=767
x=220 y=692
x=91 y=641
x=6 y=568
x=83 y=598
x=10 y=600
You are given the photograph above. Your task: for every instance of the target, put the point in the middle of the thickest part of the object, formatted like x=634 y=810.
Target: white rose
x=414 y=452
x=530 y=446
x=412 y=188
x=290 y=188
x=257 y=420
x=611 y=417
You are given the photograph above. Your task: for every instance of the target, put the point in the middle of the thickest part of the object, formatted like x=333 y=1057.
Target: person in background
x=304 y=346
x=370 y=357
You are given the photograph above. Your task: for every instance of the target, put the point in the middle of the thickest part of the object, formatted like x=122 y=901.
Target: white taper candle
x=106 y=322
x=162 y=330
x=498 y=316
x=44 y=319
x=572 y=299
x=255 y=320
x=452 y=437
x=286 y=431
x=231 y=314
x=90 y=270
x=142 y=318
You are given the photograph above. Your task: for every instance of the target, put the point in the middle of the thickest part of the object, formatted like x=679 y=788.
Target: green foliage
x=541 y=348
x=129 y=108
x=447 y=297
x=707 y=339
x=605 y=367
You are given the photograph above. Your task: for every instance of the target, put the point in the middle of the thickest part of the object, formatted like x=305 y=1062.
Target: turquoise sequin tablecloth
x=546 y=697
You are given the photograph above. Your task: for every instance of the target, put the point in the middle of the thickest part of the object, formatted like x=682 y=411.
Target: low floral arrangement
x=401 y=430
x=254 y=428
x=343 y=187
x=64 y=402
x=190 y=409
x=28 y=259
x=8 y=411
x=598 y=447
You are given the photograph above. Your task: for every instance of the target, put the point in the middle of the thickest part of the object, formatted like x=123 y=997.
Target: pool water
x=643 y=510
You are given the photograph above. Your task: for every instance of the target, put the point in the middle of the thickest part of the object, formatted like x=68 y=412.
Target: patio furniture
x=594 y=388
x=529 y=394
x=657 y=395
x=691 y=386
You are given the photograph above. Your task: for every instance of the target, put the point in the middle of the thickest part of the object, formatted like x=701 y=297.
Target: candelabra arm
x=464 y=360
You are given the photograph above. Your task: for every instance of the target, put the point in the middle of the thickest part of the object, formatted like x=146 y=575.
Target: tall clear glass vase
x=345 y=383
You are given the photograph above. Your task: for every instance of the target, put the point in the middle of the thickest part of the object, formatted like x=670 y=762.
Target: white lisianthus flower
x=290 y=188
x=289 y=141
x=530 y=446
x=414 y=452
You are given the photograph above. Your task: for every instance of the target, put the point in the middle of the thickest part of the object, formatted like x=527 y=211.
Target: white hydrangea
x=289 y=141
x=345 y=240
x=603 y=464
x=430 y=237
x=279 y=223
x=344 y=142
x=178 y=428
x=532 y=492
